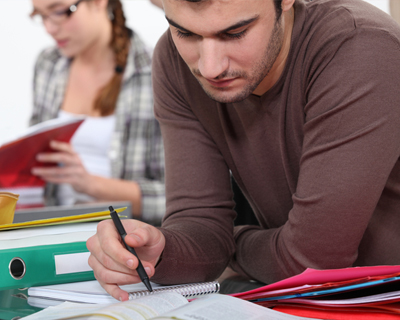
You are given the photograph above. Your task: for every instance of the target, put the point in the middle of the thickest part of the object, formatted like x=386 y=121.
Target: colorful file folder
x=45 y=255
x=48 y=251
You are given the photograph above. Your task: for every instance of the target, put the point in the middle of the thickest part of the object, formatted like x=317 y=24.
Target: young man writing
x=298 y=99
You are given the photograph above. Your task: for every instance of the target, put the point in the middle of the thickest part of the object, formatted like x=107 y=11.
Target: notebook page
x=93 y=292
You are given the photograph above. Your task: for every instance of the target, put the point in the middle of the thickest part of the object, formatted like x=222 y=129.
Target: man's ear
x=287 y=5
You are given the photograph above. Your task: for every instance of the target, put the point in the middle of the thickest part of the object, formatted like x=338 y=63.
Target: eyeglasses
x=57 y=17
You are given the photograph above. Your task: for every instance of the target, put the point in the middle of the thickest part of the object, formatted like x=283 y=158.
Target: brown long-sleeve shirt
x=316 y=155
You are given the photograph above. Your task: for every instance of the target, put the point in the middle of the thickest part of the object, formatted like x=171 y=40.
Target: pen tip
x=111 y=208
x=146 y=282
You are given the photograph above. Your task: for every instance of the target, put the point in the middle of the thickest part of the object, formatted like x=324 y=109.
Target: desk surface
x=14 y=305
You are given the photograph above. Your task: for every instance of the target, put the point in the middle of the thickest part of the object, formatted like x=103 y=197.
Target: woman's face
x=73 y=31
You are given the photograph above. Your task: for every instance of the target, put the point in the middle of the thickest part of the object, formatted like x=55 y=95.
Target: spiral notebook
x=92 y=292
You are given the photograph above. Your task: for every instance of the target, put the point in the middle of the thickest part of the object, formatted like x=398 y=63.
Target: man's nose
x=213 y=60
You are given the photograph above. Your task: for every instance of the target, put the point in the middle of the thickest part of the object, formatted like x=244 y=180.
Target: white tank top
x=92 y=143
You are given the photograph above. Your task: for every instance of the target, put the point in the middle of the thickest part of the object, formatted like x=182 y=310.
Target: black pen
x=120 y=228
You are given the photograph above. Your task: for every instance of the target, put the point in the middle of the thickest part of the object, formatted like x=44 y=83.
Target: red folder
x=337 y=294
x=316 y=279
x=18 y=157
x=366 y=313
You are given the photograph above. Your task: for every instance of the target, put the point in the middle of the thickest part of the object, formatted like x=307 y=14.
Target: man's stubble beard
x=259 y=72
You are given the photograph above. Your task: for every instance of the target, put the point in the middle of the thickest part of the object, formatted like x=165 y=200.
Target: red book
x=18 y=157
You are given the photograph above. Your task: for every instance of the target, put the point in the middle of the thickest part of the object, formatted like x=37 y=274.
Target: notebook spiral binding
x=191 y=290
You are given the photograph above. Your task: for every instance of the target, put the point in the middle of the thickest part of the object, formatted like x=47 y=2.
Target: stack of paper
x=350 y=293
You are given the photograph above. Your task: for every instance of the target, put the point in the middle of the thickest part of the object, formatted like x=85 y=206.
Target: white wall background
x=21 y=41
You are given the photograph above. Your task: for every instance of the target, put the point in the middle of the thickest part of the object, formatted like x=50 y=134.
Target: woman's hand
x=69 y=170
x=113 y=265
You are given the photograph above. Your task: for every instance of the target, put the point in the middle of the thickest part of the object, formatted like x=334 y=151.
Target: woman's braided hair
x=106 y=99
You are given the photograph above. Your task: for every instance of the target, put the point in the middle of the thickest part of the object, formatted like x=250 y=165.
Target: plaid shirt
x=136 y=151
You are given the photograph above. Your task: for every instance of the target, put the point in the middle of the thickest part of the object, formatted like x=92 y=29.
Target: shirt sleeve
x=139 y=145
x=137 y=150
x=349 y=152
x=152 y=186
x=199 y=236
x=44 y=85
x=40 y=66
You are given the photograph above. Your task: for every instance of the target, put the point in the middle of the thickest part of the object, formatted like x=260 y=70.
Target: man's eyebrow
x=233 y=27
x=240 y=24
x=174 y=24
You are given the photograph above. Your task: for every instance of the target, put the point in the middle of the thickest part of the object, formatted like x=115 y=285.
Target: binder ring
x=17 y=268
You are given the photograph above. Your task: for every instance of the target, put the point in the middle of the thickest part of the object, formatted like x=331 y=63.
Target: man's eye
x=181 y=34
x=235 y=36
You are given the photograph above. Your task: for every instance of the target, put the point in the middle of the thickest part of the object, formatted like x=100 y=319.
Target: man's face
x=230 y=46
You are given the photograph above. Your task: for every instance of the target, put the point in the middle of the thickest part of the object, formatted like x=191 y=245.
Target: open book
x=167 y=305
x=18 y=156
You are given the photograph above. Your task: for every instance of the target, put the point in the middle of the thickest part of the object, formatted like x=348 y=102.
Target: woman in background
x=99 y=69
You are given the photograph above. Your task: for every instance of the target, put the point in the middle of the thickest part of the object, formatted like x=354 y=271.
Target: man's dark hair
x=277 y=3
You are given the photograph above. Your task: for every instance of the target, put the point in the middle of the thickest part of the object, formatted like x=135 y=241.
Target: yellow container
x=8 y=202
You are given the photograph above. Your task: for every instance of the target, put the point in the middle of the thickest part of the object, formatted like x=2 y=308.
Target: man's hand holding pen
x=113 y=264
